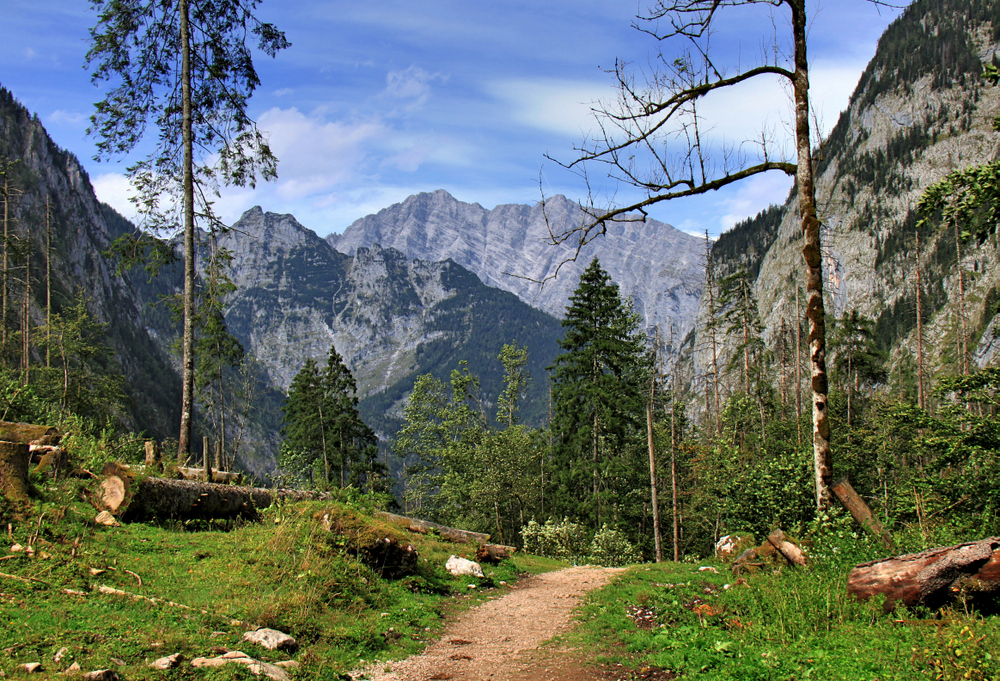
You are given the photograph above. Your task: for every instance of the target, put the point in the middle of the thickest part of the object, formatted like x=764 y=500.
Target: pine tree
x=599 y=400
x=322 y=430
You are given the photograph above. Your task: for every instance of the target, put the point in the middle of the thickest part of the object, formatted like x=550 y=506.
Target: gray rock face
x=297 y=296
x=661 y=268
x=894 y=140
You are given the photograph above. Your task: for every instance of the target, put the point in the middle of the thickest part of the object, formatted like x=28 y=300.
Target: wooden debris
x=14 y=471
x=426 y=527
x=934 y=577
x=494 y=553
x=860 y=512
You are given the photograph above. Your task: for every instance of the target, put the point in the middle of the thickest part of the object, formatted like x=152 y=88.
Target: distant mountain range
x=509 y=247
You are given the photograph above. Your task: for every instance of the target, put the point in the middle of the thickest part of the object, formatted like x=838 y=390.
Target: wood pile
x=776 y=548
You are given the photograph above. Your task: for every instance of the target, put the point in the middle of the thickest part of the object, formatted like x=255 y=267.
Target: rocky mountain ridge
x=920 y=110
x=659 y=267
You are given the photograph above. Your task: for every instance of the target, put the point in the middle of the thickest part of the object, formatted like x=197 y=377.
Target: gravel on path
x=499 y=640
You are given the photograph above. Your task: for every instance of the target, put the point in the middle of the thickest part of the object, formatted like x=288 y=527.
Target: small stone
x=168 y=662
x=217 y=634
x=234 y=655
x=289 y=664
x=271 y=671
x=272 y=639
x=118 y=662
x=17 y=548
x=101 y=675
x=208 y=662
x=31 y=667
x=72 y=669
x=58 y=657
x=96 y=571
x=105 y=518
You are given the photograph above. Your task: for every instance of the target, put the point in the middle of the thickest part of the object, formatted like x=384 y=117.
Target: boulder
x=272 y=639
x=31 y=667
x=168 y=662
x=461 y=567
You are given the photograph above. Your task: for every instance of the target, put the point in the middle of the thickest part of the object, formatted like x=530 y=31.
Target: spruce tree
x=598 y=396
x=323 y=433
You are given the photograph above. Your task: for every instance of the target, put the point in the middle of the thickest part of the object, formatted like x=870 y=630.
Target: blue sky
x=382 y=99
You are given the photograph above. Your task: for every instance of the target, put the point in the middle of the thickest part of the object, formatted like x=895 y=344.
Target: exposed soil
x=501 y=639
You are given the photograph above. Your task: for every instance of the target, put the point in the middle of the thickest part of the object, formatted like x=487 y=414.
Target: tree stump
x=933 y=577
x=14 y=471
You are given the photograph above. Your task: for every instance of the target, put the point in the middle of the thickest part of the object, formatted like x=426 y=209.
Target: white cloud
x=830 y=86
x=283 y=92
x=550 y=104
x=29 y=53
x=68 y=118
x=115 y=190
x=412 y=86
x=752 y=195
x=316 y=155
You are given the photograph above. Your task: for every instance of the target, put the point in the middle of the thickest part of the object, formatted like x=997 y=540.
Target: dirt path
x=499 y=640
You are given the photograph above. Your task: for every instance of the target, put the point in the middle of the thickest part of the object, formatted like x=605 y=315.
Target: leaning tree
x=184 y=68
x=652 y=137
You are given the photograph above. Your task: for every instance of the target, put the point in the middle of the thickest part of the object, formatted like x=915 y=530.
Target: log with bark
x=494 y=553
x=148 y=498
x=860 y=511
x=426 y=527
x=14 y=471
x=221 y=477
x=934 y=577
x=29 y=433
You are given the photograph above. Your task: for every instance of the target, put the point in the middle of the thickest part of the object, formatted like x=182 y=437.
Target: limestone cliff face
x=51 y=199
x=296 y=296
x=391 y=317
x=920 y=111
x=660 y=267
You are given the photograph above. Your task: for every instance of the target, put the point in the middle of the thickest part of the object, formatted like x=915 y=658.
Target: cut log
x=860 y=512
x=426 y=527
x=114 y=492
x=29 y=433
x=14 y=471
x=221 y=477
x=792 y=553
x=149 y=498
x=494 y=553
x=934 y=577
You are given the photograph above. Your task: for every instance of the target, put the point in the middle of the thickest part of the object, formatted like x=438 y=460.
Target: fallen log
x=860 y=511
x=29 y=433
x=221 y=477
x=494 y=553
x=934 y=577
x=426 y=527
x=148 y=498
x=14 y=471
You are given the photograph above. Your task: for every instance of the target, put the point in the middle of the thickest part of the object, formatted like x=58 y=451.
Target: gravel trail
x=499 y=640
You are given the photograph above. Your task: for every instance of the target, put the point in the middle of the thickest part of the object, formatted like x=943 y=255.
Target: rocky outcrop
x=508 y=247
x=920 y=111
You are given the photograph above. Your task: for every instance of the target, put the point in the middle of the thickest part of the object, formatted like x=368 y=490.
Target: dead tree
x=636 y=145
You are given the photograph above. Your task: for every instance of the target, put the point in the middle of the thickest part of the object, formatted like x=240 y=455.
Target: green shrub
x=610 y=547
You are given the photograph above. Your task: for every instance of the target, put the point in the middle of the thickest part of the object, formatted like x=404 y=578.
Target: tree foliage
x=599 y=389
x=325 y=441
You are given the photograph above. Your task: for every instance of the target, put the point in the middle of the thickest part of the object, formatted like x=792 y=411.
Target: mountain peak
x=510 y=248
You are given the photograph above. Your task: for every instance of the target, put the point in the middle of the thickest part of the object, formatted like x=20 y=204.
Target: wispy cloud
x=68 y=118
x=563 y=107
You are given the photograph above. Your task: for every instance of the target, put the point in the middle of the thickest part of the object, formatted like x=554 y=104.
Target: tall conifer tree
x=598 y=398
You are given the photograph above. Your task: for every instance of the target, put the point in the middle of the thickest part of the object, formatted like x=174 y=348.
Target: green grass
x=285 y=572
x=790 y=624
